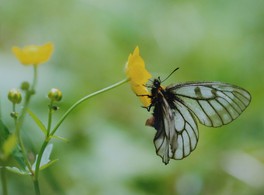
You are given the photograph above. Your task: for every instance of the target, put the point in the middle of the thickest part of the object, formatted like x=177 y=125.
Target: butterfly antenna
x=170 y=74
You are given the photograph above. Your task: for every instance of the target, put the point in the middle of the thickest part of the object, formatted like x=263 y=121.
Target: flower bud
x=25 y=86
x=55 y=95
x=14 y=96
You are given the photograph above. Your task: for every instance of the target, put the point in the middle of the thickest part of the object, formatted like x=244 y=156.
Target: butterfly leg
x=149 y=96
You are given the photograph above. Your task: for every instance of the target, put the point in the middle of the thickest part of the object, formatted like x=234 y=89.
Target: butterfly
x=177 y=106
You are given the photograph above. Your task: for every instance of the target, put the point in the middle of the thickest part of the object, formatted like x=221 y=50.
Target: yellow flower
x=139 y=76
x=33 y=54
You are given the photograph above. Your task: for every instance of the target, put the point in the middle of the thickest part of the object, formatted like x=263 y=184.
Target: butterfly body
x=176 y=106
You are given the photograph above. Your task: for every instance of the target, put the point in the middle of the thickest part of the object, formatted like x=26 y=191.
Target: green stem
x=20 y=120
x=36 y=186
x=22 y=147
x=34 y=79
x=42 y=149
x=49 y=118
x=37 y=168
x=84 y=99
x=3 y=179
x=20 y=142
x=29 y=93
x=49 y=135
x=45 y=143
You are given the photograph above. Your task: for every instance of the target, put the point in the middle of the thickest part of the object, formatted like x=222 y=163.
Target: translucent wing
x=177 y=131
x=213 y=103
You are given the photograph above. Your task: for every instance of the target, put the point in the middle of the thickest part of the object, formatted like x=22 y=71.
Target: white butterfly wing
x=213 y=103
x=177 y=132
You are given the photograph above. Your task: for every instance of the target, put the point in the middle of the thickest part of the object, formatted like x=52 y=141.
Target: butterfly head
x=156 y=87
x=156 y=83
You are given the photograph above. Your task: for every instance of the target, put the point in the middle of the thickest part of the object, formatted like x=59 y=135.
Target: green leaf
x=16 y=154
x=4 y=132
x=48 y=164
x=17 y=170
x=60 y=138
x=45 y=157
x=9 y=145
x=37 y=121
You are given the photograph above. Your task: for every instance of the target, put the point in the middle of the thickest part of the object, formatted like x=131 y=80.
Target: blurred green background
x=110 y=150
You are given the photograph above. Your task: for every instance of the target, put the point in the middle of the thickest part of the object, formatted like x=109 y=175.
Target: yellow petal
x=138 y=75
x=45 y=52
x=33 y=54
x=135 y=68
x=139 y=90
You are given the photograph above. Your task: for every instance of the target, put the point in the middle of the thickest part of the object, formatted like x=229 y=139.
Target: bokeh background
x=110 y=150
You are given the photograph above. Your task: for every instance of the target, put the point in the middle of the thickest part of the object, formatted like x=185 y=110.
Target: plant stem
x=20 y=120
x=3 y=179
x=23 y=150
x=42 y=149
x=36 y=186
x=20 y=142
x=49 y=118
x=84 y=99
x=45 y=143
x=29 y=93
x=50 y=134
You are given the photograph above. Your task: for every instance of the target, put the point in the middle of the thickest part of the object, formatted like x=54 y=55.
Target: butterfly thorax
x=160 y=94
x=156 y=88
